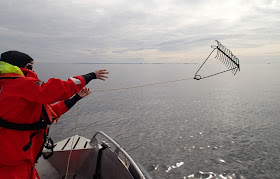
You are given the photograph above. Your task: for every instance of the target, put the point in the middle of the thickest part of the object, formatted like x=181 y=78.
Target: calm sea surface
x=228 y=125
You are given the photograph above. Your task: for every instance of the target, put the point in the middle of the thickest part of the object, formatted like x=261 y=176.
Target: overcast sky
x=140 y=30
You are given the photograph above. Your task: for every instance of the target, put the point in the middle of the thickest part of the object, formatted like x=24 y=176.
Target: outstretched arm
x=62 y=107
x=101 y=74
x=53 y=90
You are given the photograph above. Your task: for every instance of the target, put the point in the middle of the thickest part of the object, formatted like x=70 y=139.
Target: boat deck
x=88 y=156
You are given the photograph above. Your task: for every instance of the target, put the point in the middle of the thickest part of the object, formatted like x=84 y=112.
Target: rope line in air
x=112 y=89
x=223 y=54
x=141 y=86
x=75 y=132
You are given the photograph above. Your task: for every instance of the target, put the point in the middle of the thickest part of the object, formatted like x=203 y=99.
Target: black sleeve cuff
x=88 y=77
x=69 y=103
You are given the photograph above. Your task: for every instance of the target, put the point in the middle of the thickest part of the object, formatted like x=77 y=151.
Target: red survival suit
x=22 y=100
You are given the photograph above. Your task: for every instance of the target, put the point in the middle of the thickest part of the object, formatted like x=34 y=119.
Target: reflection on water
x=177 y=165
x=228 y=125
x=211 y=175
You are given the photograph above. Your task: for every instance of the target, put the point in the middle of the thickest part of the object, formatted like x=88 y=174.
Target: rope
x=217 y=73
x=75 y=131
x=133 y=87
x=112 y=89
x=205 y=61
x=141 y=86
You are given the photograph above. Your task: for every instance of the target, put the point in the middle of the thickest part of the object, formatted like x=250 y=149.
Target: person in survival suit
x=27 y=107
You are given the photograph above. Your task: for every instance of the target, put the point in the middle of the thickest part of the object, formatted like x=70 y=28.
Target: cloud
x=148 y=31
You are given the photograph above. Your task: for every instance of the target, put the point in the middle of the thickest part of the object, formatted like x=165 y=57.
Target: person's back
x=27 y=111
x=17 y=109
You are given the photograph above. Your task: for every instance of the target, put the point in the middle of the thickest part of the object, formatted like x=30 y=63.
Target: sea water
x=222 y=126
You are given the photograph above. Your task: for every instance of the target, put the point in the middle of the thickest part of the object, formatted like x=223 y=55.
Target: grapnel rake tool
x=226 y=57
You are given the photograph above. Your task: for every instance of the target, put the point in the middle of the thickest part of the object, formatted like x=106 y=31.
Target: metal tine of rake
x=223 y=58
x=230 y=55
x=226 y=62
x=226 y=57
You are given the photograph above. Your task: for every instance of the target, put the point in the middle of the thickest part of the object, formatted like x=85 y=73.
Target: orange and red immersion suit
x=27 y=108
